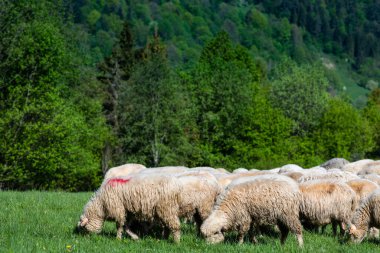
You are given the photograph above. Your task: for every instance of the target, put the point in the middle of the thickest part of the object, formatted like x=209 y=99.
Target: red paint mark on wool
x=114 y=181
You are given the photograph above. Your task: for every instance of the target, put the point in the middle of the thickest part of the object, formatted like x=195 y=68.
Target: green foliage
x=372 y=113
x=300 y=92
x=343 y=132
x=150 y=110
x=47 y=142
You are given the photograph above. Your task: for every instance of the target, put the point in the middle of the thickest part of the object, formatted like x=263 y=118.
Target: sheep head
x=357 y=235
x=214 y=226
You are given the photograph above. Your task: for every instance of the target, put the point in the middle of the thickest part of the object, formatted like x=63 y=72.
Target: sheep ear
x=352 y=228
x=83 y=222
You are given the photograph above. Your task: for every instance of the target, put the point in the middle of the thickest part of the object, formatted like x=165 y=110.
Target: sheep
x=290 y=168
x=327 y=201
x=124 y=170
x=355 y=167
x=222 y=170
x=335 y=163
x=366 y=216
x=340 y=176
x=372 y=177
x=164 y=170
x=370 y=168
x=262 y=201
x=362 y=187
x=226 y=180
x=197 y=197
x=294 y=175
x=208 y=169
x=146 y=198
x=239 y=170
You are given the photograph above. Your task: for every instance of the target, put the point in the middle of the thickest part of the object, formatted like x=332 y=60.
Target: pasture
x=44 y=222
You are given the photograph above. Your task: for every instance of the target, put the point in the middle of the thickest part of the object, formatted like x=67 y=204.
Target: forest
x=92 y=84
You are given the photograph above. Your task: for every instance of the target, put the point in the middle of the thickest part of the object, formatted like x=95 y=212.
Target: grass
x=44 y=221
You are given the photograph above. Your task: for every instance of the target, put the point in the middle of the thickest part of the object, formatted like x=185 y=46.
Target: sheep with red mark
x=143 y=198
x=261 y=201
x=366 y=216
x=124 y=170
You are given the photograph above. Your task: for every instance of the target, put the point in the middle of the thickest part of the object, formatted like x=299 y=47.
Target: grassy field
x=44 y=221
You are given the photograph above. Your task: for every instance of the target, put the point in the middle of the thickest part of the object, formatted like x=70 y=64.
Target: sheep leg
x=243 y=229
x=252 y=235
x=198 y=221
x=119 y=227
x=130 y=233
x=284 y=230
x=334 y=227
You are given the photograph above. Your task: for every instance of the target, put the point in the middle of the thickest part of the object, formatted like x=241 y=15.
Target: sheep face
x=214 y=226
x=89 y=225
x=357 y=235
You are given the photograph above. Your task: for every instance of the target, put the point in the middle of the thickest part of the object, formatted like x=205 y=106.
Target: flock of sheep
x=289 y=198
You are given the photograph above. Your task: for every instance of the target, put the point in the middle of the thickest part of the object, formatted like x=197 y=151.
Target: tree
x=47 y=142
x=222 y=90
x=343 y=132
x=372 y=113
x=150 y=110
x=300 y=92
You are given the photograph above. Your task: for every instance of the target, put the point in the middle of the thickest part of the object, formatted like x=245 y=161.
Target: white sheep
x=333 y=175
x=290 y=168
x=263 y=201
x=327 y=201
x=145 y=198
x=164 y=170
x=357 y=166
x=372 y=177
x=370 y=168
x=366 y=216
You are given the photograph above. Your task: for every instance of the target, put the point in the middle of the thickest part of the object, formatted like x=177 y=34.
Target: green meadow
x=44 y=222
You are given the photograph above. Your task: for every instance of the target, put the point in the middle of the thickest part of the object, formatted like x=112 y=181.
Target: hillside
x=344 y=32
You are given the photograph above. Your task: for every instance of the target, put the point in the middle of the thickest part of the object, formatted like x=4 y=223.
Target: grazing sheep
x=339 y=175
x=372 y=177
x=335 y=163
x=326 y=201
x=366 y=216
x=290 y=168
x=263 y=201
x=197 y=198
x=124 y=170
x=357 y=166
x=146 y=198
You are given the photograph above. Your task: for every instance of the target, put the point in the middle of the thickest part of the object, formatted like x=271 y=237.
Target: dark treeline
x=88 y=85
